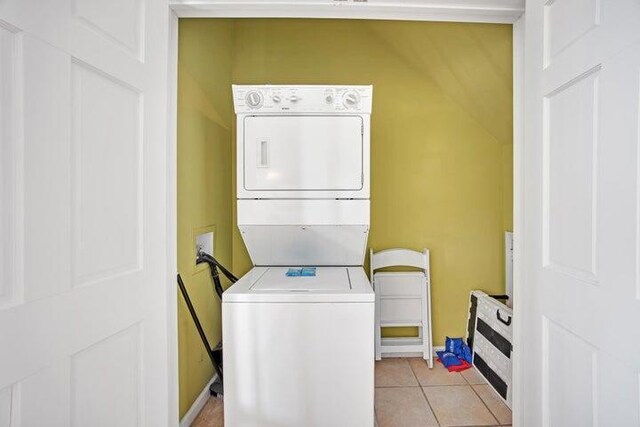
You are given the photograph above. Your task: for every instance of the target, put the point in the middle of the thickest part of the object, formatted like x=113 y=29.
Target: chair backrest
x=399 y=257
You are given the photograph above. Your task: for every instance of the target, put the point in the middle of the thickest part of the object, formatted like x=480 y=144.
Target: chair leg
x=378 y=331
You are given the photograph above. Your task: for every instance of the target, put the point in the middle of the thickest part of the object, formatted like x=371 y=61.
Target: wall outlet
x=204 y=242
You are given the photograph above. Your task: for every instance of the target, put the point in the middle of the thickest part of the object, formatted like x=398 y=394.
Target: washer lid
x=330 y=285
x=326 y=279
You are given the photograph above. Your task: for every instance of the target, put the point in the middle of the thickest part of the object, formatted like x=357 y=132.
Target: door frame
x=490 y=11
x=171 y=187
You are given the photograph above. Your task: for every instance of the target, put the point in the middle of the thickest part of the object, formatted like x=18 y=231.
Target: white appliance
x=299 y=351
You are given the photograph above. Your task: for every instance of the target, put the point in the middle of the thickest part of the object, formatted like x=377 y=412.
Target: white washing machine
x=299 y=349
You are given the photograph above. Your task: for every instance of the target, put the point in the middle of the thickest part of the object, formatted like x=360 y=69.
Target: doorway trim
x=464 y=11
x=171 y=187
x=489 y=11
x=517 y=409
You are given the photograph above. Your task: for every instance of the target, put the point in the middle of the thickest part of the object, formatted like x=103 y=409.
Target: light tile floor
x=409 y=394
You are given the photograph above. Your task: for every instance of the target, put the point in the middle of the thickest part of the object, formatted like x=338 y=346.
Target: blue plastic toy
x=458 y=347
x=448 y=359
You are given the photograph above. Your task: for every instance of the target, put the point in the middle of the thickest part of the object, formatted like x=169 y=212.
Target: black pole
x=192 y=310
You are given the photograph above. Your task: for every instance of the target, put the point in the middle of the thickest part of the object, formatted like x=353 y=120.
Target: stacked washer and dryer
x=299 y=346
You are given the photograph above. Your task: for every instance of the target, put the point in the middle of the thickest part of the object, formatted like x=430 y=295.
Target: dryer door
x=303 y=153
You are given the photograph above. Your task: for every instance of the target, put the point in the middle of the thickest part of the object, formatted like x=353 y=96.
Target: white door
x=310 y=153
x=83 y=315
x=581 y=295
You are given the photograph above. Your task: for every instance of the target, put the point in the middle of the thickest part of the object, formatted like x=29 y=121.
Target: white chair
x=403 y=299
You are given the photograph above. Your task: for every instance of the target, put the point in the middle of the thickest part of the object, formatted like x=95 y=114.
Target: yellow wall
x=440 y=137
x=205 y=117
x=441 y=140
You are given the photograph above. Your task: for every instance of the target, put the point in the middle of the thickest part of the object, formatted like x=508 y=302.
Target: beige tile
x=473 y=376
x=458 y=406
x=497 y=407
x=211 y=415
x=403 y=407
x=394 y=373
x=436 y=376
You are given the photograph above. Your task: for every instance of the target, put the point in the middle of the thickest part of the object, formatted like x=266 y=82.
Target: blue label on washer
x=308 y=271
x=304 y=272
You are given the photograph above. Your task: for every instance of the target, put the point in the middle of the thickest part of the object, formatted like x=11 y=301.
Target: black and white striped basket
x=489 y=334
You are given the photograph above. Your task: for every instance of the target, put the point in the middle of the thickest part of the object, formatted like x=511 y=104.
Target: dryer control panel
x=265 y=99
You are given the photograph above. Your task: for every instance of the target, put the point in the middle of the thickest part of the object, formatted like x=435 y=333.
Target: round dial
x=351 y=99
x=254 y=99
x=276 y=98
x=329 y=96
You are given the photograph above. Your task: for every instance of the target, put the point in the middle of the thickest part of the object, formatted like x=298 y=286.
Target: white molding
x=493 y=11
x=172 y=217
x=519 y=285
x=198 y=404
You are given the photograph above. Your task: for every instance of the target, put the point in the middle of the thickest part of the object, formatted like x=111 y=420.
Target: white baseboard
x=197 y=406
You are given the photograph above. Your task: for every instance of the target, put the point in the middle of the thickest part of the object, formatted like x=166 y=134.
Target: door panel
x=83 y=302
x=580 y=300
x=569 y=198
x=295 y=153
x=106 y=156
x=10 y=283
x=46 y=166
x=570 y=381
x=120 y=356
x=42 y=399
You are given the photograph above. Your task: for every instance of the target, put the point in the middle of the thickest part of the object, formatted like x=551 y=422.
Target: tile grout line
x=451 y=385
x=482 y=400
x=424 y=394
x=474 y=390
x=430 y=407
x=423 y=386
x=467 y=383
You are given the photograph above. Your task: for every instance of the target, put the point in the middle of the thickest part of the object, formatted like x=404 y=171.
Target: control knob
x=254 y=99
x=351 y=99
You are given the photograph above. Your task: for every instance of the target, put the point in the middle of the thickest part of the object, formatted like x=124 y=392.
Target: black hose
x=205 y=258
